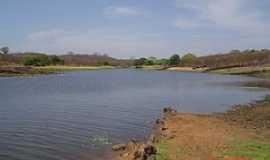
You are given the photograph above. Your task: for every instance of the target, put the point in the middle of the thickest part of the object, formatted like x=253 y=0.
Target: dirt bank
x=17 y=70
x=243 y=133
x=24 y=71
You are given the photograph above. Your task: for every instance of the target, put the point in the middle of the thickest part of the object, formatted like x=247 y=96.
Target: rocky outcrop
x=135 y=151
x=145 y=151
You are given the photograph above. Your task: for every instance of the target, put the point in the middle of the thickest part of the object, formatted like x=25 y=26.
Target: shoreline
x=216 y=136
x=258 y=71
x=11 y=71
x=253 y=71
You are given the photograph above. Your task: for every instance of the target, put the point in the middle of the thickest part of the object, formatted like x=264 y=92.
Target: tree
x=149 y=62
x=36 y=60
x=54 y=60
x=5 y=50
x=188 y=59
x=140 y=62
x=174 y=59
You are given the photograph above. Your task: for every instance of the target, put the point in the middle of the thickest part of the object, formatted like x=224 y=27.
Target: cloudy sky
x=134 y=28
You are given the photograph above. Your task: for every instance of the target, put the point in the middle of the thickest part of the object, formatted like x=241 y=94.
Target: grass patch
x=166 y=150
x=253 y=150
x=267 y=99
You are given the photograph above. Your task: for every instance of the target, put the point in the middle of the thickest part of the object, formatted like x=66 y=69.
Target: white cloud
x=121 y=11
x=118 y=43
x=236 y=15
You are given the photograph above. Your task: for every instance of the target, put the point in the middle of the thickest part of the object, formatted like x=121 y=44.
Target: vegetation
x=70 y=59
x=236 y=58
x=140 y=61
x=240 y=133
x=4 y=50
x=234 y=62
x=167 y=151
x=188 y=59
x=36 y=60
x=257 y=71
x=55 y=60
x=254 y=150
x=174 y=59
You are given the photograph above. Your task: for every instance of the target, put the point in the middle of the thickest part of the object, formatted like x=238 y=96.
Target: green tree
x=5 y=50
x=140 y=62
x=55 y=60
x=149 y=62
x=188 y=59
x=174 y=59
x=36 y=60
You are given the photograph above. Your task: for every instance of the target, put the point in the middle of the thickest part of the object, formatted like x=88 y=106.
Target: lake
x=78 y=115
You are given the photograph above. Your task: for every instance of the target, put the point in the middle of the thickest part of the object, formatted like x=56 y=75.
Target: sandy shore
x=242 y=133
x=186 y=69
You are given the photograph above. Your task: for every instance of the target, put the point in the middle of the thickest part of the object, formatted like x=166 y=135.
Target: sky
x=134 y=28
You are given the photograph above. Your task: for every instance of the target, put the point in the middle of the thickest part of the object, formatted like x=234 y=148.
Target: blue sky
x=129 y=28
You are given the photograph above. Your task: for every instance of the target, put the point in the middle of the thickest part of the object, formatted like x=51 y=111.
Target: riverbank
x=256 y=71
x=242 y=133
x=169 y=68
x=29 y=71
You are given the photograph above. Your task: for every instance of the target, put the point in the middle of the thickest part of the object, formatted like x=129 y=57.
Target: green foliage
x=36 y=60
x=174 y=59
x=106 y=63
x=140 y=62
x=5 y=50
x=162 y=61
x=167 y=151
x=149 y=62
x=253 y=150
x=188 y=59
x=55 y=60
x=267 y=99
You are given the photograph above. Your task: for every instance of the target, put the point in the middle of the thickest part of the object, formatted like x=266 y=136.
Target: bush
x=174 y=59
x=55 y=60
x=140 y=62
x=36 y=60
x=188 y=59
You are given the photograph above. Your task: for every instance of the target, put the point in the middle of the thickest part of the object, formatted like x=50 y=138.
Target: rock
x=164 y=128
x=119 y=147
x=150 y=150
x=152 y=139
x=168 y=110
x=152 y=157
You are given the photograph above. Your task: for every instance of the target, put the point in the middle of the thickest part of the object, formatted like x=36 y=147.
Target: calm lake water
x=77 y=115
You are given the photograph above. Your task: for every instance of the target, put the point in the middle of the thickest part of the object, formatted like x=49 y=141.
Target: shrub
x=55 y=60
x=174 y=59
x=188 y=59
x=36 y=60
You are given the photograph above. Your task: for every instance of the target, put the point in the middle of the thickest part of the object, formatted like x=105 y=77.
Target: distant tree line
x=69 y=59
x=34 y=59
x=174 y=60
x=236 y=58
x=233 y=58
